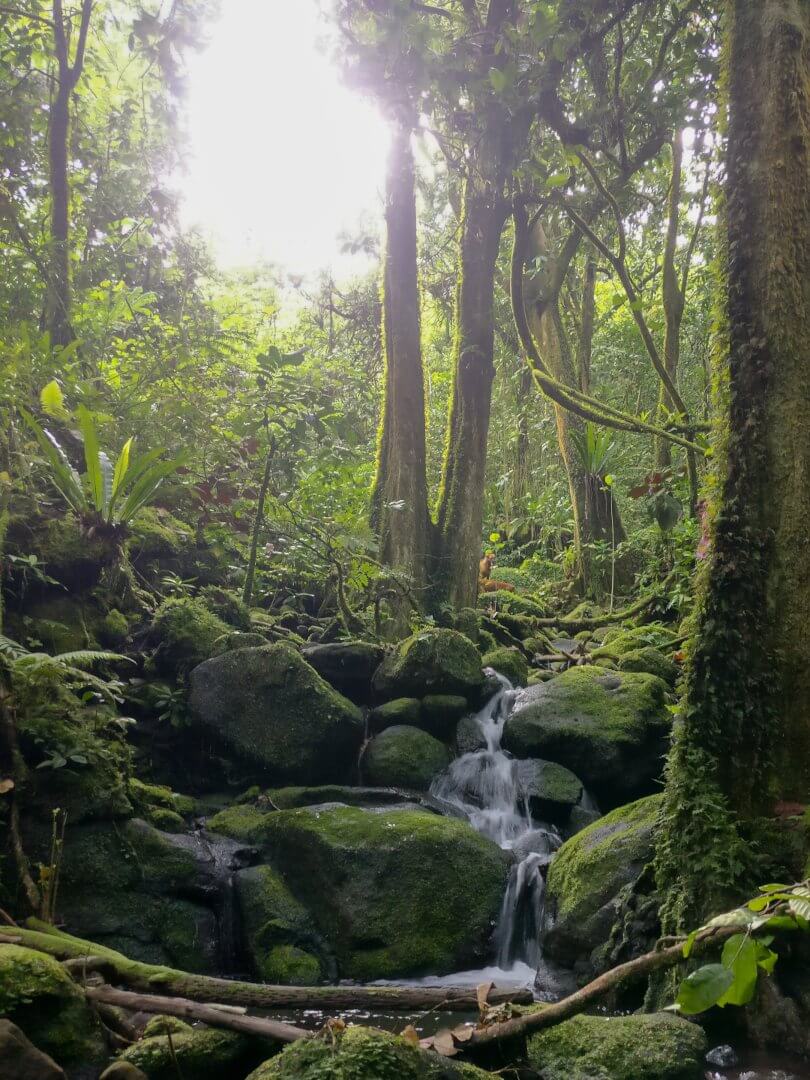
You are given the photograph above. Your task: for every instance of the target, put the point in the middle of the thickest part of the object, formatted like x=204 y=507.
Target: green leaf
x=556 y=179
x=121 y=469
x=64 y=476
x=52 y=400
x=703 y=988
x=92 y=461
x=740 y=958
x=498 y=80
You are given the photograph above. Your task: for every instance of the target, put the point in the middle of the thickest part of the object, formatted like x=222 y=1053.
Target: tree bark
x=744 y=738
x=460 y=510
x=59 y=301
x=399 y=501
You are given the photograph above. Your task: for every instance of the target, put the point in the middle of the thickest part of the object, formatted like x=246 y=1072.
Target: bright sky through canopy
x=284 y=156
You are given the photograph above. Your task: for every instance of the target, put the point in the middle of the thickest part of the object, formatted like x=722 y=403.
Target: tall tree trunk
x=69 y=72
x=744 y=739
x=59 y=291
x=399 y=502
x=596 y=515
x=460 y=509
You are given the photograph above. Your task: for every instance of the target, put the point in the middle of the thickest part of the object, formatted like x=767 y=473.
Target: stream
x=484 y=785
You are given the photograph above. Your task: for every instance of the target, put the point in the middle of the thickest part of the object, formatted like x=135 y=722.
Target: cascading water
x=484 y=785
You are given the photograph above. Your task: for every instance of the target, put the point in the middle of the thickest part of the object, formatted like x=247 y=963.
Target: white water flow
x=484 y=785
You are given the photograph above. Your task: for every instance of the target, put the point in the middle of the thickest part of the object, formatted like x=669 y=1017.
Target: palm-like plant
x=108 y=495
x=594 y=449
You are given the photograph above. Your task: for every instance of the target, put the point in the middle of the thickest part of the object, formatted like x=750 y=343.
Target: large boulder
x=611 y=729
x=403 y=756
x=274 y=712
x=38 y=996
x=431 y=662
x=586 y=877
x=21 y=1060
x=370 y=879
x=658 y=1046
x=362 y=1053
x=161 y=893
x=349 y=666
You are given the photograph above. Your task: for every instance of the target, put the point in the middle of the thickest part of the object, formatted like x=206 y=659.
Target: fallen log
x=548 y=1015
x=212 y=1015
x=149 y=978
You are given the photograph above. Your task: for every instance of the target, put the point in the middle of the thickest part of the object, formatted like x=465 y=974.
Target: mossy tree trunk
x=744 y=738
x=460 y=508
x=68 y=74
x=399 y=502
x=596 y=516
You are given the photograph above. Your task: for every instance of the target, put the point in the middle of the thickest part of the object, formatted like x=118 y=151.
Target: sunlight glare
x=284 y=156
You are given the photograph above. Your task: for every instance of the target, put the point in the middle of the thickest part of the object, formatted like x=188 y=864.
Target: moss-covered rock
x=621 y=639
x=431 y=662
x=349 y=666
x=515 y=603
x=508 y=662
x=652 y=661
x=227 y=605
x=145 y=797
x=440 y=713
x=362 y=1054
x=73 y=558
x=157 y=535
x=240 y=639
x=587 y=875
x=290 y=798
x=199 y=1053
x=154 y=903
x=165 y=1025
x=38 y=995
x=391 y=713
x=186 y=633
x=658 y=1046
x=166 y=820
x=273 y=712
x=610 y=729
x=403 y=756
x=370 y=880
x=113 y=629
x=60 y=623
x=278 y=932
x=552 y=790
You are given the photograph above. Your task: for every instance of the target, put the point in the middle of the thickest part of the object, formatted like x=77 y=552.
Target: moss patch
x=40 y=997
x=508 y=662
x=403 y=756
x=588 y=873
x=201 y=1053
x=362 y=1054
x=186 y=633
x=279 y=932
x=655 y=1047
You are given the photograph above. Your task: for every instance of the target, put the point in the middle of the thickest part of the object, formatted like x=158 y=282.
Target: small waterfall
x=485 y=787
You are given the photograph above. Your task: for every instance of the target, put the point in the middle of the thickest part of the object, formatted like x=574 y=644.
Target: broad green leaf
x=53 y=401
x=703 y=988
x=740 y=957
x=498 y=80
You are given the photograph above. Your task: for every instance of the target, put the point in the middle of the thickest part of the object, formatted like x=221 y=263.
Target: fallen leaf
x=482 y=993
x=6 y=786
x=444 y=1043
x=410 y=1035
